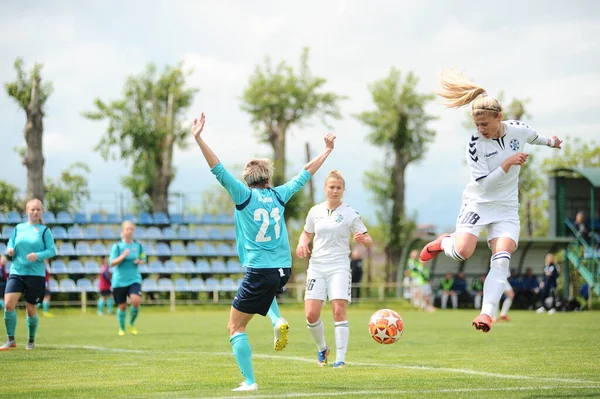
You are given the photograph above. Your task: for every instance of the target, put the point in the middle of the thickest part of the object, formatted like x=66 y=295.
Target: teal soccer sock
x=46 y=306
x=110 y=303
x=273 y=312
x=10 y=321
x=100 y=305
x=243 y=356
x=133 y=314
x=32 y=325
x=121 y=316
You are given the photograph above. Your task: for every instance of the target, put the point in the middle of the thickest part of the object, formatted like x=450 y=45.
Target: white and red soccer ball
x=386 y=326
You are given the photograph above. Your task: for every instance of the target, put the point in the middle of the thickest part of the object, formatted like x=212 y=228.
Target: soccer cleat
x=29 y=346
x=133 y=330
x=281 y=330
x=483 y=322
x=246 y=387
x=504 y=317
x=121 y=332
x=541 y=310
x=432 y=249
x=339 y=365
x=10 y=344
x=322 y=357
x=552 y=311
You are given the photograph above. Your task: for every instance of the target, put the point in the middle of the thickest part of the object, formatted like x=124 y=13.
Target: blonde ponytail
x=458 y=91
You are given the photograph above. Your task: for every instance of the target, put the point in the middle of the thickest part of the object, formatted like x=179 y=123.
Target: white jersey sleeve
x=357 y=224
x=309 y=225
x=531 y=136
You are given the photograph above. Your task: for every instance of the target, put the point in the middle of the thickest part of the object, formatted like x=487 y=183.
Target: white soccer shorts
x=500 y=220
x=335 y=284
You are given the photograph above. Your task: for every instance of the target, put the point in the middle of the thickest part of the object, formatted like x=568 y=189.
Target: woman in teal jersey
x=262 y=240
x=30 y=244
x=127 y=279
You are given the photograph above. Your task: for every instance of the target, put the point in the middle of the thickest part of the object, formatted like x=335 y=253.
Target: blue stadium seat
x=234 y=266
x=207 y=218
x=13 y=217
x=76 y=233
x=184 y=233
x=84 y=284
x=96 y=284
x=113 y=218
x=145 y=218
x=229 y=233
x=202 y=266
x=196 y=284
x=108 y=233
x=187 y=267
x=7 y=231
x=161 y=218
x=67 y=249
x=200 y=233
x=75 y=267
x=91 y=267
x=80 y=218
x=99 y=249
x=165 y=284
x=191 y=218
x=171 y=267
x=49 y=217
x=176 y=218
x=163 y=249
x=63 y=217
x=182 y=285
x=177 y=249
x=91 y=233
x=224 y=219
x=224 y=250
x=83 y=249
x=144 y=268
x=130 y=217
x=227 y=284
x=215 y=234
x=211 y=284
x=97 y=218
x=150 y=249
x=2 y=218
x=67 y=285
x=156 y=266
x=193 y=250
x=209 y=250
x=58 y=267
x=152 y=233
x=149 y=285
x=218 y=266
x=2 y=248
x=169 y=233
x=54 y=286
x=59 y=233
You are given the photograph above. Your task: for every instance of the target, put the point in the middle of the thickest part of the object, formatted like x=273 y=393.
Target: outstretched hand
x=329 y=138
x=198 y=126
x=557 y=142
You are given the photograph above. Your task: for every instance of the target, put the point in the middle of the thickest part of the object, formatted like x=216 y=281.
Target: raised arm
x=316 y=163
x=209 y=155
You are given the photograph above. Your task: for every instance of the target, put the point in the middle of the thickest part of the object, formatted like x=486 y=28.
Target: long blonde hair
x=458 y=91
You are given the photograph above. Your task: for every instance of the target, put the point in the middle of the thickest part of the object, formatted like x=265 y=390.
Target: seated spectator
x=580 y=227
x=530 y=288
x=548 y=286
x=477 y=290
x=459 y=290
x=445 y=288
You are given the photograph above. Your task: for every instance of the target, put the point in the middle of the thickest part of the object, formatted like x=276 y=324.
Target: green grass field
x=186 y=354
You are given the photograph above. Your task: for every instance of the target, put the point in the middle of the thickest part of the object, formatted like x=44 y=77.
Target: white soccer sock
x=477 y=301
x=342 y=336
x=449 y=248
x=317 y=331
x=454 y=299
x=495 y=282
x=506 y=306
x=444 y=301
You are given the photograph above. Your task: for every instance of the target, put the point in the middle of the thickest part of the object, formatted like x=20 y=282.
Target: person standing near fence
x=3 y=278
x=105 y=290
x=30 y=244
x=262 y=239
x=332 y=223
x=126 y=256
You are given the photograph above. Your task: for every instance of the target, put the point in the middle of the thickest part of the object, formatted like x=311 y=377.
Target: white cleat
x=281 y=330
x=245 y=387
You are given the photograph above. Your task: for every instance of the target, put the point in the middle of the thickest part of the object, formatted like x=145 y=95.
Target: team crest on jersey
x=514 y=145
x=339 y=219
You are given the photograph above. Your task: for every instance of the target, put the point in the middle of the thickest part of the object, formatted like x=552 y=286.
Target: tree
x=9 y=200
x=279 y=98
x=69 y=192
x=575 y=153
x=144 y=126
x=31 y=95
x=399 y=126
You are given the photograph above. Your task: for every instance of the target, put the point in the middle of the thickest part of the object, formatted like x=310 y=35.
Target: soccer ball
x=386 y=326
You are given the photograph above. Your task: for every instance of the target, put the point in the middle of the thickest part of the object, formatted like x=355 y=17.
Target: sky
x=548 y=52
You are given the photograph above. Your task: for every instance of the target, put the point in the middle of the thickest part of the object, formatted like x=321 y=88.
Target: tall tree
x=279 y=98
x=9 y=199
x=144 y=127
x=31 y=95
x=400 y=127
x=69 y=192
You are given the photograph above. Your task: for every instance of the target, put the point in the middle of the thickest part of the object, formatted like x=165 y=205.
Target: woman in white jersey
x=331 y=223
x=490 y=200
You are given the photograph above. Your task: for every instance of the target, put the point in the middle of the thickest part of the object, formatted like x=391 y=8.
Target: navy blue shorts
x=105 y=292
x=32 y=287
x=121 y=293
x=258 y=289
x=2 y=288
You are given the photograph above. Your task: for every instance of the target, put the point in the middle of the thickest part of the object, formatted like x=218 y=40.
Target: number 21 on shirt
x=262 y=215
